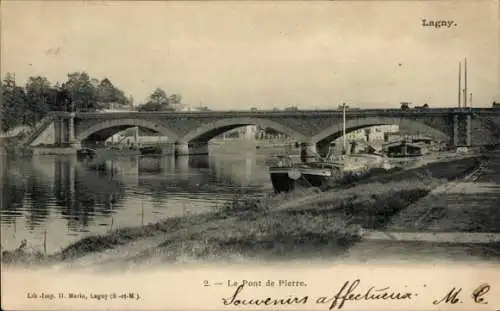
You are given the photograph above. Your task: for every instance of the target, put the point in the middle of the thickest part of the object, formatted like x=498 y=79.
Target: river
x=59 y=200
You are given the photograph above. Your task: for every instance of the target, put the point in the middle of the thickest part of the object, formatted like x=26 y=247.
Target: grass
x=328 y=224
x=453 y=170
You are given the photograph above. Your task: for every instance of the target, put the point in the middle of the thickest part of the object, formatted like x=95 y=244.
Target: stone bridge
x=191 y=131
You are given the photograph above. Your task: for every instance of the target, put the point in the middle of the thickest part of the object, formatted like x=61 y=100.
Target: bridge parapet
x=274 y=113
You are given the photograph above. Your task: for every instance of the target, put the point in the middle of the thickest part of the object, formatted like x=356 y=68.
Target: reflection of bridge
x=190 y=132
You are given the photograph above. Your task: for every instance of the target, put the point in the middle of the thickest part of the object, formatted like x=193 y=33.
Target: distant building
x=186 y=108
x=373 y=134
x=246 y=132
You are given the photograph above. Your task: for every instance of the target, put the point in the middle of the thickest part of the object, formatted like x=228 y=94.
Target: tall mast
x=465 y=82
x=459 y=84
x=343 y=127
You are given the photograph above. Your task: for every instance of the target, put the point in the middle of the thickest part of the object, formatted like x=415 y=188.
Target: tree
x=341 y=107
x=13 y=103
x=175 y=101
x=405 y=106
x=63 y=100
x=108 y=94
x=159 y=96
x=106 y=91
x=150 y=106
x=40 y=98
x=82 y=92
x=121 y=99
x=157 y=101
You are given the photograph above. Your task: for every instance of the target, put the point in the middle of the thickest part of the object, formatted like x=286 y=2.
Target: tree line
x=28 y=104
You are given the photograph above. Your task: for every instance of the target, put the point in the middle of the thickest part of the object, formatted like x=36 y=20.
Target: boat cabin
x=404 y=149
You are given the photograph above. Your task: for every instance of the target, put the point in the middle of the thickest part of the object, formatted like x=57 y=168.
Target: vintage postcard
x=241 y=155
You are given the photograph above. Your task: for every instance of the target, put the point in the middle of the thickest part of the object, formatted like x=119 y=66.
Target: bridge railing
x=336 y=111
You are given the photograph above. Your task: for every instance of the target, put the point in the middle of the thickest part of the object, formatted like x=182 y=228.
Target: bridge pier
x=181 y=149
x=198 y=148
x=64 y=142
x=182 y=165
x=193 y=148
x=64 y=128
x=308 y=152
x=455 y=130
x=462 y=129
x=58 y=128
x=71 y=128
x=469 y=130
x=323 y=148
x=168 y=149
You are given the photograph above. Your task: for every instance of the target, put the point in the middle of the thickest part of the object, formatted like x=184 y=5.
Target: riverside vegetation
x=307 y=223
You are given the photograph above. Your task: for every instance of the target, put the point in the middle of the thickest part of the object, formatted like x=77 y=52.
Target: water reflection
x=69 y=198
x=12 y=191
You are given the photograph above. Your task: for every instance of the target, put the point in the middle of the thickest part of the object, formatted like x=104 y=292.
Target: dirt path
x=457 y=221
x=470 y=204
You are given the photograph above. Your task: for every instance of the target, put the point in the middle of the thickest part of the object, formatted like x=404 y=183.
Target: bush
x=242 y=205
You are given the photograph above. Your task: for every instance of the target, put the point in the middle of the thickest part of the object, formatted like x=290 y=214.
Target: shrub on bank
x=242 y=205
x=325 y=229
x=22 y=255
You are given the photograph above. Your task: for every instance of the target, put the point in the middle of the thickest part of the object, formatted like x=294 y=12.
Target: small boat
x=286 y=178
x=86 y=153
x=286 y=174
x=150 y=150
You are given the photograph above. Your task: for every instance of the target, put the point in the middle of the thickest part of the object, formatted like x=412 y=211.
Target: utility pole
x=344 y=105
x=465 y=83
x=459 y=84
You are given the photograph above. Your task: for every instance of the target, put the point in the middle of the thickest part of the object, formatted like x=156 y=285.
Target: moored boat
x=86 y=153
x=287 y=178
x=150 y=150
x=287 y=175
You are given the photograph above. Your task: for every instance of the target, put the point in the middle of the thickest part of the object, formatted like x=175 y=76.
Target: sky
x=240 y=55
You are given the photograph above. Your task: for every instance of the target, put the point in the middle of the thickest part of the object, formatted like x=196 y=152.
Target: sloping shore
x=321 y=225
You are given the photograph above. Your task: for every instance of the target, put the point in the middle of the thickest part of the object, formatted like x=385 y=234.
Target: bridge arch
x=210 y=130
x=111 y=127
x=335 y=131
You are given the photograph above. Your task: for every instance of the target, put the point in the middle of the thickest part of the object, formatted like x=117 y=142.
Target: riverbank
x=13 y=147
x=294 y=226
